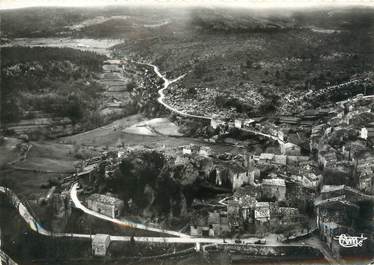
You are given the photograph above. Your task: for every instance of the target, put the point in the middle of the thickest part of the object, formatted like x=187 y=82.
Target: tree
x=74 y=109
x=277 y=74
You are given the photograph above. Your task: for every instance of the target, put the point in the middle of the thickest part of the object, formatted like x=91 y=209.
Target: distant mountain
x=225 y=21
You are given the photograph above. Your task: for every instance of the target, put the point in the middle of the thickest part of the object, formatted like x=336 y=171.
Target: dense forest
x=15 y=55
x=57 y=81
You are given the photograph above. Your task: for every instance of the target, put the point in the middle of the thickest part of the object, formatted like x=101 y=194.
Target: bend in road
x=33 y=224
x=161 y=100
x=185 y=239
x=126 y=223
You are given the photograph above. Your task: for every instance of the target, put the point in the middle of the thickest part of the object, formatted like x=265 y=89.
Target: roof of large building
x=288 y=211
x=332 y=202
x=330 y=188
x=267 y=156
x=247 y=201
x=104 y=199
x=262 y=204
x=274 y=182
x=262 y=210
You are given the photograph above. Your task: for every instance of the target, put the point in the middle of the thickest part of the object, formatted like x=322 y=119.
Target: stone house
x=195 y=231
x=190 y=149
x=105 y=205
x=339 y=173
x=215 y=123
x=365 y=177
x=266 y=158
x=290 y=149
x=247 y=205
x=205 y=151
x=238 y=123
x=100 y=244
x=296 y=160
x=317 y=133
x=218 y=221
x=337 y=209
x=280 y=160
x=233 y=211
x=241 y=178
x=284 y=215
x=273 y=189
x=187 y=150
x=248 y=122
x=330 y=232
x=327 y=157
x=329 y=191
x=367 y=133
x=201 y=231
x=181 y=160
x=262 y=216
x=289 y=119
x=309 y=180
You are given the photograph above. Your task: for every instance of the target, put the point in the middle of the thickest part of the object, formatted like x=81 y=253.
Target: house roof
x=331 y=225
x=247 y=201
x=289 y=118
x=274 y=182
x=291 y=145
x=99 y=238
x=245 y=191
x=331 y=188
x=105 y=199
x=233 y=203
x=288 y=211
x=262 y=204
x=336 y=200
x=330 y=156
x=262 y=210
x=267 y=156
x=213 y=218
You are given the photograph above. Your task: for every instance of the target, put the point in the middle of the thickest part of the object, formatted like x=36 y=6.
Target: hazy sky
x=5 y=4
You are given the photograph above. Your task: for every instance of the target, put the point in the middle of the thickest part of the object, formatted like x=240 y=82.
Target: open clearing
x=100 y=46
x=156 y=126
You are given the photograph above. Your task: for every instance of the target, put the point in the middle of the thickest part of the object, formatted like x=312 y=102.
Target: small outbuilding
x=100 y=244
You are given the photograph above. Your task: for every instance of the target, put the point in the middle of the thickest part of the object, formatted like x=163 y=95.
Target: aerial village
x=320 y=179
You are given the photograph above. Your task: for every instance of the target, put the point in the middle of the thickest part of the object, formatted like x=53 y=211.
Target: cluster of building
x=89 y=170
x=258 y=205
x=249 y=212
x=345 y=155
x=270 y=191
x=338 y=212
x=93 y=169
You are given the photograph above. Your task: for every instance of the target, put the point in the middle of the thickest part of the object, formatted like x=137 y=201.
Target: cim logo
x=348 y=241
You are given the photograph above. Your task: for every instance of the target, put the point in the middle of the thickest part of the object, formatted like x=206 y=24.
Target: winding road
x=175 y=237
x=180 y=237
x=126 y=223
x=161 y=100
x=33 y=224
x=168 y=82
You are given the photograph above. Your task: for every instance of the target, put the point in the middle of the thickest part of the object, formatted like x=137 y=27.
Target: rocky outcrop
x=155 y=185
